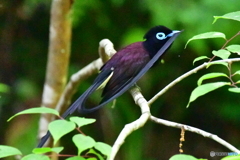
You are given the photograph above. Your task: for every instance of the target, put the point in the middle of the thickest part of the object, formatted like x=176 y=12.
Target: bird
x=124 y=69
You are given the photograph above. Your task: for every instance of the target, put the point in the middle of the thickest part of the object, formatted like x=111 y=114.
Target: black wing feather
x=130 y=62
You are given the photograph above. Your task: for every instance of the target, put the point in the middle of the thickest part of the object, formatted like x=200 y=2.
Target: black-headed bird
x=124 y=69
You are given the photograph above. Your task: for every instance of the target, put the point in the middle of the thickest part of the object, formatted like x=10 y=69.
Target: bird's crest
x=152 y=32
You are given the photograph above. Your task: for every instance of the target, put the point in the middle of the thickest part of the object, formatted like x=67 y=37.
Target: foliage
x=183 y=157
x=224 y=53
x=4 y=88
x=58 y=129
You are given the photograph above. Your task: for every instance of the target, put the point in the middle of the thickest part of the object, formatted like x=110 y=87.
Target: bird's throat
x=151 y=49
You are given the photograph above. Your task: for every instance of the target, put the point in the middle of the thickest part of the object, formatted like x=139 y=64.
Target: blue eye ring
x=160 y=36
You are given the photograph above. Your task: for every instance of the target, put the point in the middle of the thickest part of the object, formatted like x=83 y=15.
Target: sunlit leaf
x=81 y=121
x=207 y=36
x=237 y=72
x=215 y=63
x=39 y=110
x=209 y=76
x=47 y=149
x=236 y=90
x=182 y=157
x=235 y=48
x=234 y=156
x=204 y=89
x=6 y=151
x=222 y=53
x=93 y=158
x=97 y=154
x=59 y=128
x=200 y=58
x=4 y=88
x=103 y=148
x=76 y=158
x=83 y=142
x=233 y=16
x=35 y=157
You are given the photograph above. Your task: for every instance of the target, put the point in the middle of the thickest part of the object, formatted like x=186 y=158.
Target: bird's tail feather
x=79 y=103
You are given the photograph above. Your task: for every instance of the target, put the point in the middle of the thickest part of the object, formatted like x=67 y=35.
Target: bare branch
x=106 y=50
x=129 y=128
x=195 y=130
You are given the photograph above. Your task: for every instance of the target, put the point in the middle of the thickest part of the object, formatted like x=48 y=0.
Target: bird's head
x=156 y=37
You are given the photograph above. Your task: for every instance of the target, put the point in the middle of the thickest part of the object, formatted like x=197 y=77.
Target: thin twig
x=224 y=45
x=227 y=41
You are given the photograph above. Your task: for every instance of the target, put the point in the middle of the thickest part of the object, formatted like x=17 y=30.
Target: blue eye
x=160 y=36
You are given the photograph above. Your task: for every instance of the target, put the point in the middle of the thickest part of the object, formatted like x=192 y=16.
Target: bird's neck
x=150 y=48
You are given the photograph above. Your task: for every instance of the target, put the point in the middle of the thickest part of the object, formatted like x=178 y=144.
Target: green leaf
x=81 y=121
x=93 y=158
x=235 y=90
x=235 y=156
x=204 y=89
x=235 y=48
x=35 y=111
x=237 y=72
x=104 y=148
x=182 y=157
x=76 y=158
x=4 y=88
x=222 y=53
x=97 y=154
x=83 y=142
x=59 y=128
x=35 y=157
x=47 y=149
x=207 y=35
x=6 y=151
x=200 y=58
x=214 y=63
x=233 y=16
x=238 y=82
x=209 y=76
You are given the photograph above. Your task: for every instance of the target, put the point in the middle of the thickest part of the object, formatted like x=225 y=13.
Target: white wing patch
x=106 y=81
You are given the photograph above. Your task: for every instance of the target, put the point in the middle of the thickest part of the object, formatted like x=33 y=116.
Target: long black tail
x=79 y=103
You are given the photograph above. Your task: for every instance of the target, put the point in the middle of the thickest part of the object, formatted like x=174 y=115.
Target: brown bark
x=58 y=59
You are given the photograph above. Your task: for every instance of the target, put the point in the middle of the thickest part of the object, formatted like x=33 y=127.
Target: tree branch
x=129 y=128
x=195 y=130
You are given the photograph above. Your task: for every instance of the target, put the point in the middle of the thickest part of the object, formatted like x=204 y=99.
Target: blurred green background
x=24 y=34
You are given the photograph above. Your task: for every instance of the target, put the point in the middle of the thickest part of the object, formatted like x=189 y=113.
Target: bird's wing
x=124 y=73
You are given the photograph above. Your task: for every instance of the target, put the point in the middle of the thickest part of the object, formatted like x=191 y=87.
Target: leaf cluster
x=86 y=145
